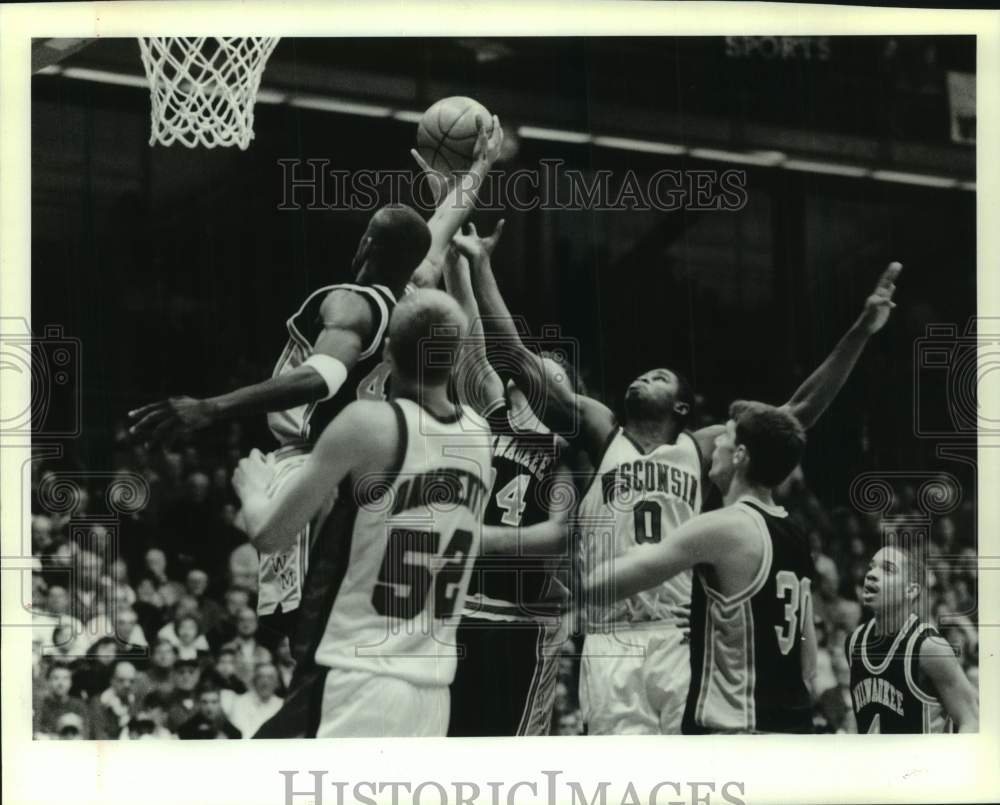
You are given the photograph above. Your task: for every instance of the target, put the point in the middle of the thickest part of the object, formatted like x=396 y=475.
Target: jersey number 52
x=405 y=577
x=795 y=593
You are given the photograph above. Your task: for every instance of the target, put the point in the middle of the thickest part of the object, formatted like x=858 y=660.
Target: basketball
x=446 y=135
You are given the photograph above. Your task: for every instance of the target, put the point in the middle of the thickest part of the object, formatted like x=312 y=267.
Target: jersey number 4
x=511 y=501
x=795 y=593
x=404 y=585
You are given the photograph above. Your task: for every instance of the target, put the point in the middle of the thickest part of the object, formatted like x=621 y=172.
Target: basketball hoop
x=203 y=88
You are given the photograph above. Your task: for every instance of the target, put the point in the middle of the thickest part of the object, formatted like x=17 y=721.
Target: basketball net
x=203 y=88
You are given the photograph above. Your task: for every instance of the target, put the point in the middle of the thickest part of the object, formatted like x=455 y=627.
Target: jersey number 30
x=795 y=593
x=403 y=586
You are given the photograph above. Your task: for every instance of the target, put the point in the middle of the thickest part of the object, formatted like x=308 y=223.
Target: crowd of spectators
x=145 y=620
x=145 y=623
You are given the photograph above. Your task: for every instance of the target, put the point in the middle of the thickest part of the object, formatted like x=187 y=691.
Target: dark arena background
x=176 y=269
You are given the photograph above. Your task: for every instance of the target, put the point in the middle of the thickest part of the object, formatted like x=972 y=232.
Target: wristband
x=333 y=372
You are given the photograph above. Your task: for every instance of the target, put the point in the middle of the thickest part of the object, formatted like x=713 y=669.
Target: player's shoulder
x=370 y=428
x=370 y=420
x=728 y=524
x=346 y=305
x=933 y=646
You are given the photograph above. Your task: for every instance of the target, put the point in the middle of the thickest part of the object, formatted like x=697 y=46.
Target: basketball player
x=905 y=677
x=333 y=356
x=753 y=646
x=507 y=672
x=647 y=482
x=395 y=555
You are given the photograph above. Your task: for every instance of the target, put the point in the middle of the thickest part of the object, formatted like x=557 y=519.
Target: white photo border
x=770 y=769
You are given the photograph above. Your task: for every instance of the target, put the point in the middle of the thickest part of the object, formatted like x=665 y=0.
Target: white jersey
x=634 y=498
x=409 y=542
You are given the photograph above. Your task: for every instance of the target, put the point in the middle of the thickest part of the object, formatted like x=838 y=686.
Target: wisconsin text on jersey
x=644 y=475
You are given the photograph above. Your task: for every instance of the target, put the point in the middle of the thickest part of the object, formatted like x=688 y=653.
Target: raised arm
x=362 y=436
x=479 y=386
x=455 y=199
x=818 y=390
x=347 y=326
x=580 y=419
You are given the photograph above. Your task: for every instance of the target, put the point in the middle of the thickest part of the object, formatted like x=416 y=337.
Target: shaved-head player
x=333 y=356
x=393 y=559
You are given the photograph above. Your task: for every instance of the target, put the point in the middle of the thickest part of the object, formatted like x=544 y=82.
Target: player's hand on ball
x=253 y=476
x=439 y=182
x=488 y=143
x=475 y=248
x=879 y=305
x=162 y=421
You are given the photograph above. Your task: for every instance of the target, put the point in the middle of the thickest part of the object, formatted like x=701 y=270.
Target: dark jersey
x=281 y=574
x=366 y=380
x=885 y=689
x=746 y=649
x=524 y=466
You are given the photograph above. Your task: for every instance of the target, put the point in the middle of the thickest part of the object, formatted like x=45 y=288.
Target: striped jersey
x=525 y=462
x=746 y=649
x=634 y=498
x=392 y=562
x=281 y=574
x=305 y=422
x=885 y=686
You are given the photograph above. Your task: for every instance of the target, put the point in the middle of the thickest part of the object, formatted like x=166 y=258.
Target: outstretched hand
x=164 y=420
x=879 y=305
x=474 y=247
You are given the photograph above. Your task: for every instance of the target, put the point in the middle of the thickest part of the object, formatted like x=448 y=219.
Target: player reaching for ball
x=376 y=641
x=446 y=134
x=509 y=633
x=333 y=356
x=753 y=645
x=648 y=481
